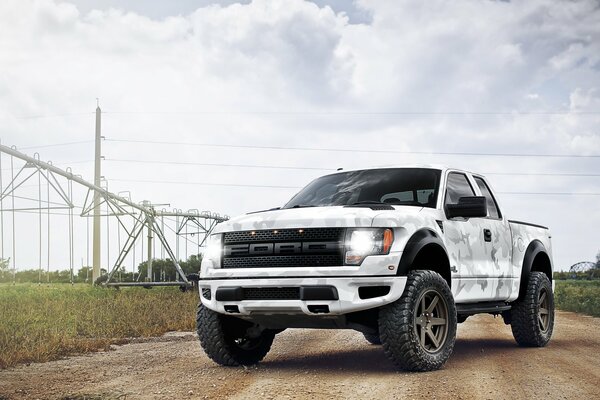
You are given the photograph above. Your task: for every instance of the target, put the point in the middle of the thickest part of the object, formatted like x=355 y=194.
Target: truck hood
x=336 y=216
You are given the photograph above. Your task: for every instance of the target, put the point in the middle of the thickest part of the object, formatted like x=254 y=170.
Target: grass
x=42 y=323
x=578 y=296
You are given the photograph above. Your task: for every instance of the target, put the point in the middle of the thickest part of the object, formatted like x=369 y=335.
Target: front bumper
x=348 y=298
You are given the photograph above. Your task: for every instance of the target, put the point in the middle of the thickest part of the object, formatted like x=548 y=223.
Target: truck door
x=498 y=246
x=466 y=246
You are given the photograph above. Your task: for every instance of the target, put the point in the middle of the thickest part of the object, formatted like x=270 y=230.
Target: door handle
x=487 y=235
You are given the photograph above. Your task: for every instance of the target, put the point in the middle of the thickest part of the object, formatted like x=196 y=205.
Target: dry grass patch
x=578 y=296
x=41 y=323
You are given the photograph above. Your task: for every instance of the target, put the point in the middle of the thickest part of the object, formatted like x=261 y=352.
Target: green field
x=41 y=323
x=578 y=296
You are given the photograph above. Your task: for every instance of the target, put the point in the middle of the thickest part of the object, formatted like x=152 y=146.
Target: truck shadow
x=351 y=360
x=372 y=359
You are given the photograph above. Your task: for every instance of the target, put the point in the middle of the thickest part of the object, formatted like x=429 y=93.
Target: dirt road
x=486 y=364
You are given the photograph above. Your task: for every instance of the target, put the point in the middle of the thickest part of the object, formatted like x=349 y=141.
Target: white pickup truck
x=399 y=254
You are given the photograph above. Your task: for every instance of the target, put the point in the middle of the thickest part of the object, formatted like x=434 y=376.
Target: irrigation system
x=44 y=190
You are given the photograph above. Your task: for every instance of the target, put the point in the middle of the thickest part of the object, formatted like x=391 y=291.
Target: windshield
x=400 y=186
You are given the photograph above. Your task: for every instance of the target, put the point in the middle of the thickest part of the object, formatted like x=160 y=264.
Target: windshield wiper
x=373 y=205
x=302 y=206
x=261 y=211
x=367 y=202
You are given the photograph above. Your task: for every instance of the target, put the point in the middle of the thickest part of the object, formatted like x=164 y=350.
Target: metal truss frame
x=143 y=214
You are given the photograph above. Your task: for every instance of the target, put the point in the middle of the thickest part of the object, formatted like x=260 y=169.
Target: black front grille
x=312 y=260
x=285 y=235
x=283 y=248
x=272 y=293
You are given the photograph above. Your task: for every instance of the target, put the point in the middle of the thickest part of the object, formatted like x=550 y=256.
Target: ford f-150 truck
x=399 y=254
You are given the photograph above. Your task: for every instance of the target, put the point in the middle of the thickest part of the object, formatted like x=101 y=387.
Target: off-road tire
x=527 y=315
x=372 y=338
x=220 y=335
x=398 y=324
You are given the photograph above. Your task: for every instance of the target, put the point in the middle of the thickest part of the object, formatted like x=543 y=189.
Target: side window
x=457 y=186
x=493 y=211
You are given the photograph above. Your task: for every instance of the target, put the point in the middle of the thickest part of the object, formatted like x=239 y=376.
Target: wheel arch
x=425 y=250
x=536 y=259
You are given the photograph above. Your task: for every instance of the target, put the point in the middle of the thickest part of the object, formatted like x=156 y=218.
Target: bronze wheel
x=543 y=311
x=431 y=321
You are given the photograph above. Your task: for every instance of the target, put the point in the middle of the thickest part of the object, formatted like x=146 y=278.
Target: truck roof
x=439 y=167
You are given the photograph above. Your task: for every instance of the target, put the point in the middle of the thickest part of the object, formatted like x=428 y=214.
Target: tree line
x=162 y=270
x=592 y=273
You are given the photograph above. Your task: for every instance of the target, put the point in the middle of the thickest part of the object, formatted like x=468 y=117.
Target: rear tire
x=532 y=317
x=418 y=330
x=226 y=341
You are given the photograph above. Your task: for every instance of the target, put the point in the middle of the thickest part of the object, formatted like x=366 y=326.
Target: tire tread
x=524 y=324
x=209 y=326
x=396 y=326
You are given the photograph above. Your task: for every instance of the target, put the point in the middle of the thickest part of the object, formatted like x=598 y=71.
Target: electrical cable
x=349 y=112
x=354 y=150
x=300 y=187
x=322 y=168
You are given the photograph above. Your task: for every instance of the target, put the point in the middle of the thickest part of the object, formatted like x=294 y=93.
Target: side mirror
x=468 y=207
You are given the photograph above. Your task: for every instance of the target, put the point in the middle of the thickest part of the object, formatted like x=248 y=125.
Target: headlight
x=214 y=249
x=361 y=243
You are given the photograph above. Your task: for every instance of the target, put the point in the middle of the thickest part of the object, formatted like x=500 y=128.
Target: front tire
x=532 y=317
x=225 y=339
x=419 y=329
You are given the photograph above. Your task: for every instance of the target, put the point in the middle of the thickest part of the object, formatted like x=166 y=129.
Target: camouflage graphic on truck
x=352 y=249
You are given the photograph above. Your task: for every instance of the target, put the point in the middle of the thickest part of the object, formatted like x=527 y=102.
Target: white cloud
x=313 y=72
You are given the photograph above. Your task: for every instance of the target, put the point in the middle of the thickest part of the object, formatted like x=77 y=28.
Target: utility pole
x=149 y=222
x=149 y=219
x=96 y=225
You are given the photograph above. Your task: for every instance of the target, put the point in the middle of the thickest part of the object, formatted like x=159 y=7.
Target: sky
x=353 y=84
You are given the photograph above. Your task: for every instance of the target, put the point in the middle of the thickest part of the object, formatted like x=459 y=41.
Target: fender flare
x=535 y=247
x=415 y=244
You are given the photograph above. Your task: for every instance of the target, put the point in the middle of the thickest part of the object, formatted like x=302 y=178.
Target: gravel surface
x=486 y=364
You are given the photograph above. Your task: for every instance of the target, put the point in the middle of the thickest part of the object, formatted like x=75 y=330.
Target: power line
x=323 y=168
x=55 y=145
x=47 y=116
x=300 y=187
x=539 y=174
x=551 y=193
x=220 y=164
x=354 y=150
x=349 y=112
x=67 y=163
x=207 y=184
